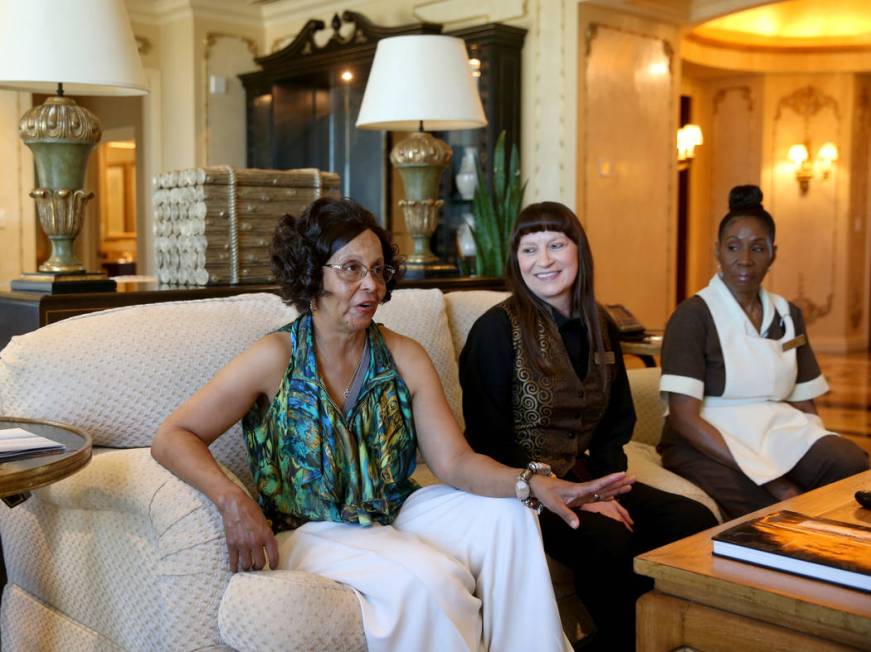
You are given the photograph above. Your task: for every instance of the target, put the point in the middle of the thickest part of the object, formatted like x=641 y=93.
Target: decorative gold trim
x=807 y=102
x=809 y=310
x=720 y=95
x=143 y=45
x=212 y=38
x=59 y=119
x=775 y=49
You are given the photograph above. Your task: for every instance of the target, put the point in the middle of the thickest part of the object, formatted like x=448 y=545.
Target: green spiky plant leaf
x=495 y=208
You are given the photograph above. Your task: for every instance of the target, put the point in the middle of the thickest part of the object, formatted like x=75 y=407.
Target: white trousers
x=454 y=571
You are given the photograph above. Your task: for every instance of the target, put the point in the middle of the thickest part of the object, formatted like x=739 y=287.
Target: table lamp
x=84 y=47
x=421 y=82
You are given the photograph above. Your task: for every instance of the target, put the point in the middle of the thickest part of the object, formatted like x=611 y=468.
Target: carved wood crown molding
x=807 y=102
x=212 y=38
x=364 y=32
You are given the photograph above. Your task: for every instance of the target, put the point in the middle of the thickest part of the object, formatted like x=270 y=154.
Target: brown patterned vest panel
x=555 y=414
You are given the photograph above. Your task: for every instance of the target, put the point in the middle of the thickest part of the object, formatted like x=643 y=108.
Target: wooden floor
x=846 y=409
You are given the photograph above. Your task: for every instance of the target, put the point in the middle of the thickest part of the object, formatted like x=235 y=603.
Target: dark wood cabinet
x=301 y=112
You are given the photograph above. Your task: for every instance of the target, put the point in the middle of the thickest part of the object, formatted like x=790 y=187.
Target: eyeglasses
x=352 y=272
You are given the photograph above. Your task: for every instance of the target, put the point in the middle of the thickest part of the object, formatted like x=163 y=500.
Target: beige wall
x=749 y=121
x=17 y=214
x=626 y=175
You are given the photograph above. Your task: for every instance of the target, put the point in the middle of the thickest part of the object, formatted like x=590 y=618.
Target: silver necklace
x=347 y=391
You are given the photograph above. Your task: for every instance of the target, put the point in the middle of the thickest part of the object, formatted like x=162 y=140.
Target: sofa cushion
x=286 y=610
x=420 y=315
x=646 y=465
x=464 y=308
x=649 y=408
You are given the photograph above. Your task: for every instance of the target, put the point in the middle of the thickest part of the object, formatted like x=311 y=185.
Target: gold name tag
x=607 y=357
x=794 y=343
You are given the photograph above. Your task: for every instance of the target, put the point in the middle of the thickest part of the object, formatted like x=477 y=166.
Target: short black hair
x=746 y=201
x=302 y=246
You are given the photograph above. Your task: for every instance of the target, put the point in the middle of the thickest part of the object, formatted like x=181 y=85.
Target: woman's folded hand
x=560 y=496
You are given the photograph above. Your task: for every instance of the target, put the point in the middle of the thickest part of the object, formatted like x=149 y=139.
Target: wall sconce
x=688 y=138
x=805 y=169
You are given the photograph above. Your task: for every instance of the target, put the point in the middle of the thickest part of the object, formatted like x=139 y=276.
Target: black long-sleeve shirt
x=486 y=370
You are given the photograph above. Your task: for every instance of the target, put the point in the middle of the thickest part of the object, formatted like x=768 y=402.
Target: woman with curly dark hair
x=333 y=407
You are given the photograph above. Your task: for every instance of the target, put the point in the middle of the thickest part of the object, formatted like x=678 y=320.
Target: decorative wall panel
x=629 y=169
x=810 y=233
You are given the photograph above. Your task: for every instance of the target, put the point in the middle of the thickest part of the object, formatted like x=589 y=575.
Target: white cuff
x=682 y=385
x=808 y=390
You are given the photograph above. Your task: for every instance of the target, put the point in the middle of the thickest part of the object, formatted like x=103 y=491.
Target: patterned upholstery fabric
x=28 y=624
x=284 y=610
x=420 y=315
x=161 y=354
x=123 y=555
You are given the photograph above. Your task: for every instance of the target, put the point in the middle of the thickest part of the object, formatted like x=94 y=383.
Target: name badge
x=794 y=343
x=607 y=357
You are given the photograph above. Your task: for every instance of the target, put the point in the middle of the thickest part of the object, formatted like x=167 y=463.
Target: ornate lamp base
x=61 y=135
x=421 y=160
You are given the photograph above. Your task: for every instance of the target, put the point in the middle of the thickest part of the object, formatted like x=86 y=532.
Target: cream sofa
x=122 y=555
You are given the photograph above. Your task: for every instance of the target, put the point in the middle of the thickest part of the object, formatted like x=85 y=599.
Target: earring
x=312 y=306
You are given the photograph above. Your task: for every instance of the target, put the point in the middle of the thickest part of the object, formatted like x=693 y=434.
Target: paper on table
x=17 y=442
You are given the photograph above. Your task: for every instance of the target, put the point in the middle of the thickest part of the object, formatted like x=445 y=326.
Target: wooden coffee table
x=715 y=604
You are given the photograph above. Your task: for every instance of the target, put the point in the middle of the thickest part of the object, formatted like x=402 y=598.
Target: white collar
x=768 y=310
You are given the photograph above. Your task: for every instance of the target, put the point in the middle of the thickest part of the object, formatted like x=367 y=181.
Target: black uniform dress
x=516 y=417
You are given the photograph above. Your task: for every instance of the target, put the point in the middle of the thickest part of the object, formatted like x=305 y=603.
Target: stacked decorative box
x=214 y=225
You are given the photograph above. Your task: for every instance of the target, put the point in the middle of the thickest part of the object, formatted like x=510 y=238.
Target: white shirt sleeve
x=809 y=389
x=682 y=385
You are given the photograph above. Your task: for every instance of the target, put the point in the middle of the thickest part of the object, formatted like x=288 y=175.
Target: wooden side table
x=709 y=603
x=19 y=476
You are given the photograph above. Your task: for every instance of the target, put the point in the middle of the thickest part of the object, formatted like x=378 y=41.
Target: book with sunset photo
x=819 y=548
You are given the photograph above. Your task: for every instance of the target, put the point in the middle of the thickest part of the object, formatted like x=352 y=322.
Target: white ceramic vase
x=467 y=176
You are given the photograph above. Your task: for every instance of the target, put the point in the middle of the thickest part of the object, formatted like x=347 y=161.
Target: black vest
x=555 y=414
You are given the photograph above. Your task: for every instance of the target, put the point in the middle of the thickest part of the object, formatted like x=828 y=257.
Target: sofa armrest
x=125 y=548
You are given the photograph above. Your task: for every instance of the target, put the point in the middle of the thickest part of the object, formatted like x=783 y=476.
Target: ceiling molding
x=777 y=46
x=159 y=12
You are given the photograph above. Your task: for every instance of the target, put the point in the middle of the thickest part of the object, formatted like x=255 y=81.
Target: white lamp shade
x=421 y=78
x=87 y=45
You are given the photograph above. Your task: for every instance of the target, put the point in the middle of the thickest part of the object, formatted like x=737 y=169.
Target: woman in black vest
x=543 y=381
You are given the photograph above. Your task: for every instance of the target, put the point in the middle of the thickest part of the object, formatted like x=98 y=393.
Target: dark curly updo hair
x=302 y=246
x=746 y=201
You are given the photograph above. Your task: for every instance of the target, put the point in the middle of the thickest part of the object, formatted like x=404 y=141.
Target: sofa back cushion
x=420 y=315
x=117 y=374
x=464 y=308
x=649 y=408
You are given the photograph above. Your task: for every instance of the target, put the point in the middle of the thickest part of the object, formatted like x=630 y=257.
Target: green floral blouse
x=312 y=462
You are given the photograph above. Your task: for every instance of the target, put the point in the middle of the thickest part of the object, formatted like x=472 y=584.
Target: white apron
x=765 y=435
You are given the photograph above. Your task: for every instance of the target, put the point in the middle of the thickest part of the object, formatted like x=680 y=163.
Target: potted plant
x=495 y=207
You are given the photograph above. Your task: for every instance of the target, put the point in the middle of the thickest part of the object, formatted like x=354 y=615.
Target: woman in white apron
x=741 y=378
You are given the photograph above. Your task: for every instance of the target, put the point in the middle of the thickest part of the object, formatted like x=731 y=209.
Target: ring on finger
x=596 y=498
